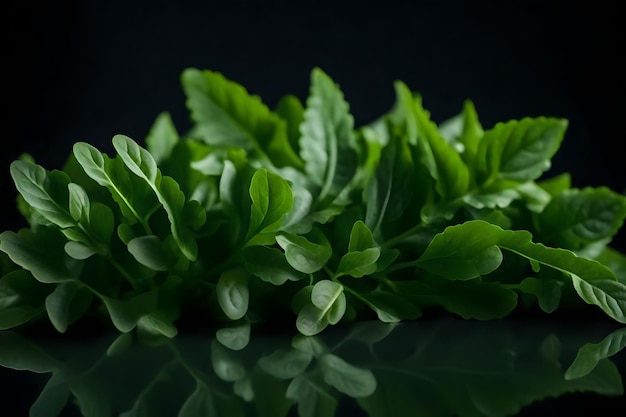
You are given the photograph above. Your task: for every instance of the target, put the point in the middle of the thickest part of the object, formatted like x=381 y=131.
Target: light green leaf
x=304 y=255
x=271 y=201
x=609 y=295
x=312 y=397
x=168 y=192
x=79 y=251
x=79 y=203
x=232 y=293
x=270 y=265
x=591 y=353
x=361 y=237
x=519 y=150
x=359 y=263
x=234 y=337
x=125 y=314
x=157 y=324
x=290 y=109
x=226 y=366
x=42 y=255
x=133 y=195
x=225 y=114
x=327 y=144
x=576 y=218
x=151 y=252
x=347 y=378
x=311 y=320
x=285 y=363
x=452 y=175
x=46 y=192
x=67 y=303
x=162 y=137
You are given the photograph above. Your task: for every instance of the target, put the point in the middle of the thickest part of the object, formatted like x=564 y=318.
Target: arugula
x=295 y=210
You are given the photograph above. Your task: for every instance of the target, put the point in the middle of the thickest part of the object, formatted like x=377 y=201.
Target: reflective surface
x=438 y=367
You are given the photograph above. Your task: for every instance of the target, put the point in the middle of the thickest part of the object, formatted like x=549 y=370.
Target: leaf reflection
x=428 y=368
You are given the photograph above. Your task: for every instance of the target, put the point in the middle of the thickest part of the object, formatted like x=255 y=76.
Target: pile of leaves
x=295 y=212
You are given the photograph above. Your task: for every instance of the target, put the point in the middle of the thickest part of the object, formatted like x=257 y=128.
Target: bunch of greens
x=256 y=214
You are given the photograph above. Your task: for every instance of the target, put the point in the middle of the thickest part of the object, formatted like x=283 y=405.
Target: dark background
x=85 y=70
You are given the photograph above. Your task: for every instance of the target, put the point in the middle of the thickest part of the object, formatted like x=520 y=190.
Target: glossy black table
x=432 y=367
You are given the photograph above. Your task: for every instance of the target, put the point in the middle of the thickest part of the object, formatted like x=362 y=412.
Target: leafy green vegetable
x=254 y=210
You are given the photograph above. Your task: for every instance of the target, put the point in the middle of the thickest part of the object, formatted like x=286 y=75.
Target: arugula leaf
x=327 y=145
x=141 y=163
x=226 y=115
x=519 y=150
x=271 y=201
x=162 y=138
x=576 y=218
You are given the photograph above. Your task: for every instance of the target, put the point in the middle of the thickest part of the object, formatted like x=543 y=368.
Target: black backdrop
x=86 y=70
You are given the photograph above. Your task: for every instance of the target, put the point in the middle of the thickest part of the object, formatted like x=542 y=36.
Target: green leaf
x=609 y=295
x=19 y=353
x=157 y=324
x=79 y=203
x=79 y=251
x=312 y=397
x=458 y=254
x=359 y=263
x=328 y=296
x=38 y=253
x=199 y=403
x=151 y=252
x=361 y=237
x=225 y=114
x=290 y=109
x=347 y=378
x=576 y=218
x=304 y=255
x=53 y=397
x=162 y=138
x=390 y=307
x=269 y=264
x=285 y=363
x=133 y=195
x=67 y=303
x=464 y=131
x=548 y=292
x=389 y=191
x=46 y=192
x=327 y=144
x=469 y=299
x=311 y=320
x=451 y=175
x=125 y=314
x=235 y=337
x=141 y=163
x=519 y=150
x=226 y=366
x=232 y=293
x=594 y=282
x=590 y=354
x=271 y=201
